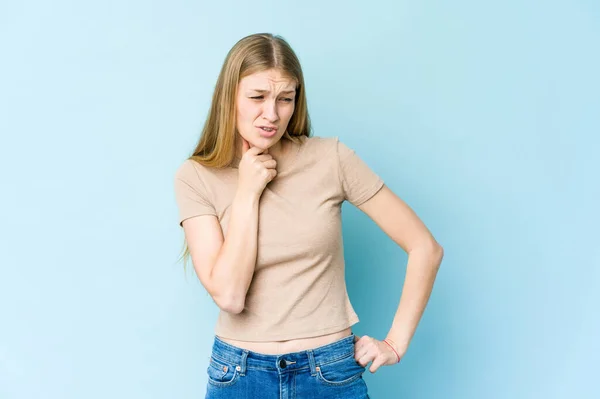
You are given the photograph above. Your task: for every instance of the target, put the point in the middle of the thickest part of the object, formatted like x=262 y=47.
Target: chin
x=265 y=142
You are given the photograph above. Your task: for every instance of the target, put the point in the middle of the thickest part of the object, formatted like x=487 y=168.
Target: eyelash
x=287 y=100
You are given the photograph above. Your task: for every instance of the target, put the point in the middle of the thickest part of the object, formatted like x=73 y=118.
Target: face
x=264 y=106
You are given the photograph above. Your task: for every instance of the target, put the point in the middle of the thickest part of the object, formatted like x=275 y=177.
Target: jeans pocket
x=340 y=372
x=221 y=373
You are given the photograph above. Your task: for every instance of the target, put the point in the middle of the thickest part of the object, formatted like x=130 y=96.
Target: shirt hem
x=285 y=337
x=369 y=194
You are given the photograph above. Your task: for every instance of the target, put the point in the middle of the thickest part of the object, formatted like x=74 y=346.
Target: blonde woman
x=259 y=202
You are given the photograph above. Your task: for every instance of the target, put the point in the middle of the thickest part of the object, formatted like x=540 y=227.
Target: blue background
x=483 y=116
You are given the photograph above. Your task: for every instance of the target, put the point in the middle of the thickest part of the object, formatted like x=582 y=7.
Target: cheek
x=246 y=113
x=287 y=112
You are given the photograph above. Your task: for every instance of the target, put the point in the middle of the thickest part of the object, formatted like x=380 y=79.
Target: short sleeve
x=359 y=182
x=190 y=193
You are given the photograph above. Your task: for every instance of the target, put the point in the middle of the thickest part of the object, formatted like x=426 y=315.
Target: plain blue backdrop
x=483 y=116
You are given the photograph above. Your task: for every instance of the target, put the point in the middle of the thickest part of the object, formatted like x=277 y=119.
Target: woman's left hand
x=367 y=349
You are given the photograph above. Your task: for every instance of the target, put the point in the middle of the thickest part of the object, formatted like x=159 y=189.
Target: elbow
x=234 y=308
x=437 y=253
x=432 y=251
x=230 y=304
x=227 y=297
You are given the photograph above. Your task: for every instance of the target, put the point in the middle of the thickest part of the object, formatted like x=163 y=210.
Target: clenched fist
x=256 y=169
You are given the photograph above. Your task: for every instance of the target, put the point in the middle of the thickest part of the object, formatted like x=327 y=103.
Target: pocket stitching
x=339 y=358
x=343 y=382
x=339 y=383
x=233 y=379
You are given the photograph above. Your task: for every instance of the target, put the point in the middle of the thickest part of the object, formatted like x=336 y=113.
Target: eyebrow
x=266 y=91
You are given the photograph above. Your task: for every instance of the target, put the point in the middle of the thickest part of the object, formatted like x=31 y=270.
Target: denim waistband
x=310 y=359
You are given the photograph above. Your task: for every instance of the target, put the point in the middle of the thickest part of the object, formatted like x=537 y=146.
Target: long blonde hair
x=254 y=53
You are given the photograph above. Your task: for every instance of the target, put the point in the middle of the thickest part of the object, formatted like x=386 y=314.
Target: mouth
x=267 y=131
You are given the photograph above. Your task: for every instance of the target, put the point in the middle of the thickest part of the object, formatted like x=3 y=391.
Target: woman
x=259 y=202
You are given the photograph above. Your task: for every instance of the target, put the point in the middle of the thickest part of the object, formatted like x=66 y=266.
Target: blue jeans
x=329 y=371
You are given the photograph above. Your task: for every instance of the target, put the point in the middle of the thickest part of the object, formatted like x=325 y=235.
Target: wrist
x=246 y=197
x=387 y=342
x=399 y=349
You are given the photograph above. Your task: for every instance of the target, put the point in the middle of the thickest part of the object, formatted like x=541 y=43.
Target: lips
x=267 y=133
x=268 y=127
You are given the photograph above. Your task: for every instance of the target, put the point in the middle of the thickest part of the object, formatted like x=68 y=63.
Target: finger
x=360 y=357
x=358 y=341
x=359 y=347
x=379 y=361
x=356 y=338
x=363 y=342
x=264 y=157
x=273 y=173
x=270 y=164
x=362 y=352
x=261 y=151
x=255 y=151
x=365 y=359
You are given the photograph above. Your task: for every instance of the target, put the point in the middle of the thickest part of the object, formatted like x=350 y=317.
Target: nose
x=270 y=111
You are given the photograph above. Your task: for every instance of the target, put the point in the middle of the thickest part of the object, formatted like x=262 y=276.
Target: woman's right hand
x=256 y=169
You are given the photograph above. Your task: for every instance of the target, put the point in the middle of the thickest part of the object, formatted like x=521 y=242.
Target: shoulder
x=321 y=146
x=320 y=140
x=191 y=171
x=186 y=170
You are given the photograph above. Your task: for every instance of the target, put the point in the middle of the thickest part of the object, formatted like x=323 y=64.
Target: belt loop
x=243 y=362
x=311 y=363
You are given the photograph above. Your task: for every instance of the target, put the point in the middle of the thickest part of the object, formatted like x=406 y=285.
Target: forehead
x=265 y=80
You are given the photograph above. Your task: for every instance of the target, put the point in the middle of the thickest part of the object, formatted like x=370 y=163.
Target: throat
x=279 y=150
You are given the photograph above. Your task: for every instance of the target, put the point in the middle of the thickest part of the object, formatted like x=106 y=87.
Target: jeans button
x=282 y=364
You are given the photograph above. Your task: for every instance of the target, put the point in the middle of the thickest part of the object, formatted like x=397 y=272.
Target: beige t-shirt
x=298 y=289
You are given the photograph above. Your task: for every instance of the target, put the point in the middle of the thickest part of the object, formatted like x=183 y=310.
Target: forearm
x=421 y=271
x=233 y=270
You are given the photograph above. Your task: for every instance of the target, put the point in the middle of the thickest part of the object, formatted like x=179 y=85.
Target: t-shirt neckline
x=289 y=160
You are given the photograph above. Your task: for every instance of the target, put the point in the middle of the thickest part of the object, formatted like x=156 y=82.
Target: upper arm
x=398 y=220
x=198 y=217
x=204 y=238
x=358 y=182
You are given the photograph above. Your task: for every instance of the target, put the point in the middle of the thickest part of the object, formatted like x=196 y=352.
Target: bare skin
x=267 y=99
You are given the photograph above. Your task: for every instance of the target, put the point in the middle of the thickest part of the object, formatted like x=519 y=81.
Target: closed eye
x=287 y=100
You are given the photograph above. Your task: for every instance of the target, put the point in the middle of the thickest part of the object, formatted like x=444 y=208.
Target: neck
x=276 y=150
